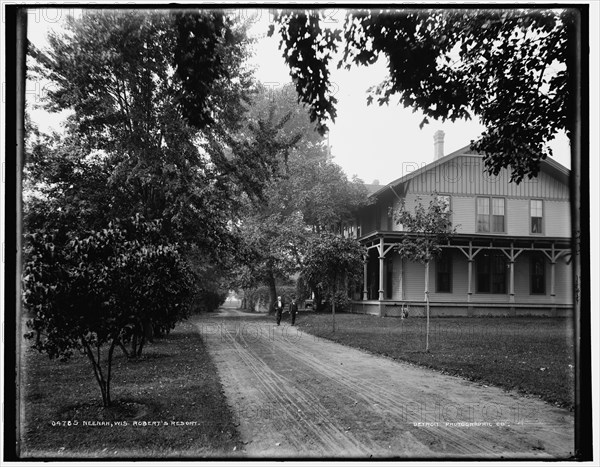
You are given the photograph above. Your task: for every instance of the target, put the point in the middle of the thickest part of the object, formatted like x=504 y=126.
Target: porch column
x=401 y=277
x=381 y=267
x=469 y=272
x=469 y=279
x=511 y=289
x=553 y=276
x=365 y=293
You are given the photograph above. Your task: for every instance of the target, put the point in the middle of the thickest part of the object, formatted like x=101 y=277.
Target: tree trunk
x=134 y=340
x=96 y=365
x=148 y=330
x=272 y=292
x=109 y=372
x=141 y=346
x=101 y=380
x=138 y=338
x=157 y=332
x=317 y=300
x=427 y=305
x=123 y=348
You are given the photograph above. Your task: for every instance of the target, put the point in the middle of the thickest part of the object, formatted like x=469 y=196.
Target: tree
x=151 y=116
x=307 y=194
x=209 y=57
x=425 y=232
x=263 y=226
x=508 y=67
x=322 y=192
x=310 y=182
x=132 y=99
x=331 y=264
x=86 y=292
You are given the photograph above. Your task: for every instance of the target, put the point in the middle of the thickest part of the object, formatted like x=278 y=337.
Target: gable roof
x=549 y=165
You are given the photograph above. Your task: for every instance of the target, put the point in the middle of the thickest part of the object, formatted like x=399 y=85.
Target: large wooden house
x=510 y=254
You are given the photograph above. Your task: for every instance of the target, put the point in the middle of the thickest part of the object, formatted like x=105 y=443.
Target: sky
x=372 y=142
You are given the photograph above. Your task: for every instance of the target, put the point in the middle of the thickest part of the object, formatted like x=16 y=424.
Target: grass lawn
x=174 y=385
x=531 y=355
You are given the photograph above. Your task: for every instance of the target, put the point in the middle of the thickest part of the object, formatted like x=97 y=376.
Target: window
x=491 y=272
x=483 y=214
x=498 y=214
x=490 y=220
x=537 y=215
x=537 y=273
x=445 y=200
x=390 y=217
x=377 y=218
x=443 y=269
x=349 y=230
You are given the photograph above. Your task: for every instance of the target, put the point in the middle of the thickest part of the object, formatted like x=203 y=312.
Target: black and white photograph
x=278 y=232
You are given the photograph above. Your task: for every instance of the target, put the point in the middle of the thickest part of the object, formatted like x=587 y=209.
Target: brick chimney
x=438 y=145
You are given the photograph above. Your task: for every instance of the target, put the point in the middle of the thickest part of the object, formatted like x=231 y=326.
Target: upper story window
x=537 y=215
x=444 y=201
x=490 y=215
x=390 y=217
x=348 y=230
x=497 y=214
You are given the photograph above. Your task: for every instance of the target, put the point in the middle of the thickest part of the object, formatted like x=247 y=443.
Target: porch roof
x=478 y=240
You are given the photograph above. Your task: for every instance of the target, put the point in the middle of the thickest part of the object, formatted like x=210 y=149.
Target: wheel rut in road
x=296 y=395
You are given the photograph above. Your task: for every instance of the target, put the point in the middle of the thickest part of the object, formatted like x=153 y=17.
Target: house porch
x=525 y=276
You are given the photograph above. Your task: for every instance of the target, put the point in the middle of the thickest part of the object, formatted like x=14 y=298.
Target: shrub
x=100 y=286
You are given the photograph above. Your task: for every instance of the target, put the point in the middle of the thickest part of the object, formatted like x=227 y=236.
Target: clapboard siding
x=523 y=281
x=562 y=285
x=557 y=218
x=414 y=277
x=414 y=283
x=397 y=277
x=517 y=215
x=464 y=179
x=564 y=282
x=459 y=279
x=367 y=220
x=463 y=217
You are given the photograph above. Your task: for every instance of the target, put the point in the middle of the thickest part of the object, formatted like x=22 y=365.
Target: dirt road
x=295 y=395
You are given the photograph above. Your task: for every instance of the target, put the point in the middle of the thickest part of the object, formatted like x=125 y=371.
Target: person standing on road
x=293 y=309
x=279 y=309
